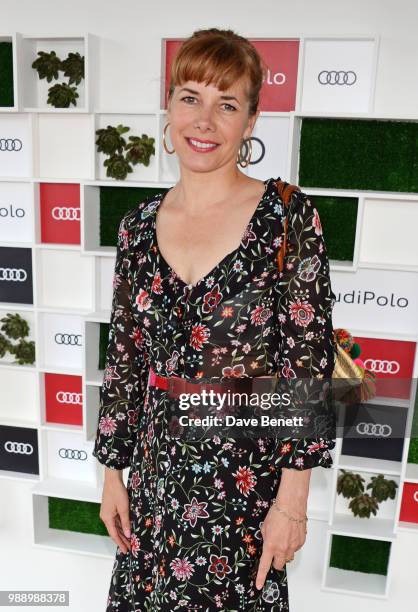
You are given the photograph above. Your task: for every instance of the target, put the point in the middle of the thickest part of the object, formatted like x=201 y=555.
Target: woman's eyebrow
x=193 y=91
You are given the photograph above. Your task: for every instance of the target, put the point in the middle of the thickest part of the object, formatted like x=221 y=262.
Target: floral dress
x=196 y=507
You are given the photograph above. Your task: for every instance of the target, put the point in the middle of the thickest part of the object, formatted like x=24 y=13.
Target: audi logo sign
x=67 y=397
x=409 y=510
x=337 y=77
x=10 y=144
x=69 y=456
x=68 y=339
x=374 y=429
x=382 y=366
x=70 y=453
x=65 y=213
x=19 y=449
x=63 y=399
x=60 y=213
x=16 y=275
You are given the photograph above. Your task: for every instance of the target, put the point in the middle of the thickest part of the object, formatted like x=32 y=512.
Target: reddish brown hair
x=220 y=57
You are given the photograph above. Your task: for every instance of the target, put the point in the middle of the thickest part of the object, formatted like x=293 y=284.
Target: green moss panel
x=413 y=451
x=114 y=203
x=6 y=74
x=413 y=446
x=74 y=515
x=359 y=154
x=360 y=554
x=338 y=219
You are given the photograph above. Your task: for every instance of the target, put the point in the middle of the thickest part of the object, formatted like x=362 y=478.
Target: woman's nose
x=205 y=118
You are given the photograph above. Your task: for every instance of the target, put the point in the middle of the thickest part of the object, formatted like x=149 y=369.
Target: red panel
x=63 y=399
x=171 y=47
x=392 y=361
x=409 y=504
x=279 y=89
x=60 y=213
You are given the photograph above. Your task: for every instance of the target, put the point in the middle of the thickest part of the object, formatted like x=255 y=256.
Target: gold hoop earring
x=245 y=161
x=164 y=142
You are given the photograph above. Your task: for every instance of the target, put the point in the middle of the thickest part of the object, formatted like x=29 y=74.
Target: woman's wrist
x=293 y=491
x=297 y=510
x=111 y=475
x=292 y=515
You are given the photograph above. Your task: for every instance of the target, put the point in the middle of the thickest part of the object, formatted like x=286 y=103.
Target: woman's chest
x=192 y=247
x=233 y=305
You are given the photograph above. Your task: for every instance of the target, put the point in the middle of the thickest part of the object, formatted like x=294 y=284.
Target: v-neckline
x=191 y=286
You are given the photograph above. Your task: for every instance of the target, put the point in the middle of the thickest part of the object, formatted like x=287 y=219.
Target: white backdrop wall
x=127 y=74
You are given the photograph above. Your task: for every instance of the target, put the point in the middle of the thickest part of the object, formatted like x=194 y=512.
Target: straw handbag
x=359 y=382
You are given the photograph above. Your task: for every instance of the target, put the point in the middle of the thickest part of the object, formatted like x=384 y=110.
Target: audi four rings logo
x=416 y=496
x=68 y=397
x=66 y=213
x=382 y=366
x=20 y=448
x=72 y=453
x=337 y=77
x=71 y=339
x=10 y=144
x=17 y=275
x=374 y=429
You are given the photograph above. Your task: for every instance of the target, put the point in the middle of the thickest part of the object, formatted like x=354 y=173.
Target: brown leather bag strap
x=286 y=191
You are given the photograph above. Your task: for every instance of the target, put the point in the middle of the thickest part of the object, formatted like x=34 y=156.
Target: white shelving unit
x=71 y=282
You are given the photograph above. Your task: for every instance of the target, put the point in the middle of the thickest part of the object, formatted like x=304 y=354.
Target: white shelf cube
x=35 y=90
x=145 y=123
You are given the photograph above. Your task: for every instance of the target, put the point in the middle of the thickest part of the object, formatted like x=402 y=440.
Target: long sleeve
x=125 y=375
x=305 y=306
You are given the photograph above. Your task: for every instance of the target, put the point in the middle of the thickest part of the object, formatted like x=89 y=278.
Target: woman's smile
x=202 y=146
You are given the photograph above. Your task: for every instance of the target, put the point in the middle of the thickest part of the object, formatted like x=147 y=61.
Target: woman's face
x=207 y=125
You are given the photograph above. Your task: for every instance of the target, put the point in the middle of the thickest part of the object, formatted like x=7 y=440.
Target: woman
x=198 y=296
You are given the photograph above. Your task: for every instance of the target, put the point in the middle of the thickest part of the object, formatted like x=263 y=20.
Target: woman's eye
x=187 y=98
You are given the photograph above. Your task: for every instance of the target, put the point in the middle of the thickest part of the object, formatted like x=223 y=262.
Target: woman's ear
x=251 y=124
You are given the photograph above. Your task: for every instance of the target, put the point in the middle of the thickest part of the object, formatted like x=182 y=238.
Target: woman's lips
x=206 y=148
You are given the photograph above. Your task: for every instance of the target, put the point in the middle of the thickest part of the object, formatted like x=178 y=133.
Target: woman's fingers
x=122 y=535
x=263 y=567
x=279 y=561
x=114 y=512
x=125 y=522
x=115 y=535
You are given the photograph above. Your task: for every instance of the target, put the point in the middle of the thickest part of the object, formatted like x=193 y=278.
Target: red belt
x=176 y=385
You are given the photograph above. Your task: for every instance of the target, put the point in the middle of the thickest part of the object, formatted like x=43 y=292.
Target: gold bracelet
x=292 y=518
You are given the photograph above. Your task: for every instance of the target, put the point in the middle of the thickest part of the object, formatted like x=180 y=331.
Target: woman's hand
x=282 y=537
x=114 y=510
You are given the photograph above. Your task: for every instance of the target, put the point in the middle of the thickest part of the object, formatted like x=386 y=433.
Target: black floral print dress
x=196 y=506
